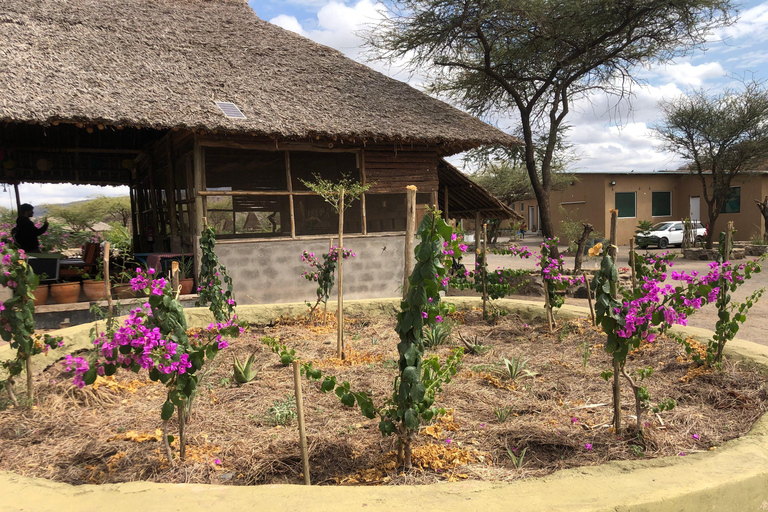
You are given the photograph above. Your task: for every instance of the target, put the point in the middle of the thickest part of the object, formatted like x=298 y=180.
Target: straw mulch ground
x=245 y=434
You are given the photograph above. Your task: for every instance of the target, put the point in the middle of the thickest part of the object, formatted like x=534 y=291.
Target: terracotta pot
x=41 y=294
x=186 y=285
x=65 y=293
x=94 y=290
x=123 y=291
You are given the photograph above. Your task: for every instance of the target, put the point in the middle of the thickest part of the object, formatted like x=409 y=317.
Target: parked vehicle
x=665 y=234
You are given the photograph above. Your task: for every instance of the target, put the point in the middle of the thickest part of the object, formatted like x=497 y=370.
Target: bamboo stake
x=175 y=278
x=589 y=300
x=547 y=305
x=410 y=233
x=107 y=285
x=632 y=262
x=30 y=383
x=300 y=414
x=613 y=249
x=167 y=446
x=485 y=271
x=339 y=291
x=728 y=241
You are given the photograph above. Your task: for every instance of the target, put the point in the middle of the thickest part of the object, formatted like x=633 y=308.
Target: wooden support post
x=435 y=202
x=728 y=241
x=300 y=414
x=18 y=198
x=485 y=272
x=589 y=300
x=632 y=262
x=107 y=286
x=290 y=190
x=198 y=169
x=410 y=233
x=339 y=290
x=362 y=196
x=445 y=203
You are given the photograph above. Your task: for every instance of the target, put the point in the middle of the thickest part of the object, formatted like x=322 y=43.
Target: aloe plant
x=244 y=373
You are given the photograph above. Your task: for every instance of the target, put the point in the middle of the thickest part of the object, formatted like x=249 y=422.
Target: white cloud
x=685 y=73
x=288 y=23
x=752 y=24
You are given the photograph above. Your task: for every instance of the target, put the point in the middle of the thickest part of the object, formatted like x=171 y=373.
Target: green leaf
x=170 y=439
x=328 y=384
x=417 y=392
x=411 y=419
x=387 y=427
x=90 y=376
x=167 y=411
x=348 y=399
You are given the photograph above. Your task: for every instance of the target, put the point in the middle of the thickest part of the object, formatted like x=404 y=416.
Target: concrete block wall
x=269 y=271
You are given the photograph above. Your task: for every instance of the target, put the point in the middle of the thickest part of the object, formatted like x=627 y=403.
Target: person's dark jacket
x=26 y=234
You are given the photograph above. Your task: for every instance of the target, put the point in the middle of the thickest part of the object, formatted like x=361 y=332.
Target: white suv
x=666 y=233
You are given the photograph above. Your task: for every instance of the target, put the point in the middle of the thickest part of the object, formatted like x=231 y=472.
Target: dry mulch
x=109 y=432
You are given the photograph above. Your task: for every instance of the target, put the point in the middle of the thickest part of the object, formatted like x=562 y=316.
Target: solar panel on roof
x=230 y=110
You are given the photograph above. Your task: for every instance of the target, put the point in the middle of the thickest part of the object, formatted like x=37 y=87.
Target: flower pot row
x=69 y=292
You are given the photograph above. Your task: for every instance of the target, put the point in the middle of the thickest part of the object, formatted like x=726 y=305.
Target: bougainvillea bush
x=17 y=324
x=154 y=338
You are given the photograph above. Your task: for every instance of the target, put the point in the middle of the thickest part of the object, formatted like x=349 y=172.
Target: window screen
x=625 y=203
x=244 y=169
x=732 y=202
x=661 y=204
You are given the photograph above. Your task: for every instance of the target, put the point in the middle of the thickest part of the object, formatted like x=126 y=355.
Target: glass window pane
x=329 y=166
x=625 y=203
x=385 y=212
x=244 y=169
x=732 y=202
x=661 y=204
x=314 y=216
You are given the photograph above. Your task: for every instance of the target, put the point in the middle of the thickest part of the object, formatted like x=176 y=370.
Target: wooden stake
x=547 y=305
x=175 y=278
x=632 y=262
x=728 y=241
x=410 y=233
x=300 y=414
x=340 y=290
x=613 y=250
x=107 y=285
x=589 y=300
x=485 y=271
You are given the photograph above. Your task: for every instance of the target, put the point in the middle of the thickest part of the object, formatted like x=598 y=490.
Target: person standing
x=25 y=234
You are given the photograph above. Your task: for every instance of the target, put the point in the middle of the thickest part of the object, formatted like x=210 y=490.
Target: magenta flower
x=588 y=446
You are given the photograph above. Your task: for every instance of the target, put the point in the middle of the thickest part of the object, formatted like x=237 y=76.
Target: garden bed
x=245 y=435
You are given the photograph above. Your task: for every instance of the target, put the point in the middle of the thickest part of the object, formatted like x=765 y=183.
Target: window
x=732 y=202
x=661 y=204
x=625 y=203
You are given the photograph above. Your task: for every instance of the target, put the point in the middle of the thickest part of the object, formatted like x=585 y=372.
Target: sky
x=605 y=136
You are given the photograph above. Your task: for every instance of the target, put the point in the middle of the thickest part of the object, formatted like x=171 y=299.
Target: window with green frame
x=661 y=204
x=732 y=202
x=625 y=203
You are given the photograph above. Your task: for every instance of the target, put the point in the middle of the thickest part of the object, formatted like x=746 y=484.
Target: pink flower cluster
x=449 y=251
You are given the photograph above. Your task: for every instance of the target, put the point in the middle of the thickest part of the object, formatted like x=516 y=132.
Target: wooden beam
x=361 y=159
x=290 y=193
x=80 y=150
x=198 y=169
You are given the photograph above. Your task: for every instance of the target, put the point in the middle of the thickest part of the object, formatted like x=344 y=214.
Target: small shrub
x=502 y=413
x=282 y=411
x=517 y=368
x=437 y=334
x=517 y=460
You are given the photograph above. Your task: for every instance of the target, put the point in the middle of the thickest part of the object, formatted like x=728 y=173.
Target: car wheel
x=663 y=243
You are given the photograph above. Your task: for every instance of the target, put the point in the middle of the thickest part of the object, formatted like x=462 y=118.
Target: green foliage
x=517 y=368
x=517 y=460
x=286 y=355
x=435 y=335
x=244 y=373
x=120 y=239
x=282 y=412
x=508 y=180
x=17 y=324
x=502 y=413
x=330 y=191
x=571 y=227
x=644 y=227
x=215 y=285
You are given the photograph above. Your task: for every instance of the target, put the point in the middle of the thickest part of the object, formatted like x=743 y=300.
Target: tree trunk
x=30 y=382
x=616 y=397
x=580 y=246
x=712 y=214
x=763 y=207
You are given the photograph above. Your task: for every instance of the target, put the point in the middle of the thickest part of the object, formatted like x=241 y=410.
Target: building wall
x=269 y=271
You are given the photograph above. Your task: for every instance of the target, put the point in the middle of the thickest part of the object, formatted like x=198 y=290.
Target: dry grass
x=109 y=432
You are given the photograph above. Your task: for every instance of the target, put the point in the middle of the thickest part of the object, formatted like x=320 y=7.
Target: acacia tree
x=722 y=136
x=536 y=57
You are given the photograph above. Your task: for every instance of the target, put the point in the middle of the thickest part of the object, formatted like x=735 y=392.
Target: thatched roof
x=163 y=63
x=465 y=197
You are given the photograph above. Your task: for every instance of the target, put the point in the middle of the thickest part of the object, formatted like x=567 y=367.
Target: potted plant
x=41 y=292
x=186 y=279
x=94 y=287
x=121 y=285
x=66 y=292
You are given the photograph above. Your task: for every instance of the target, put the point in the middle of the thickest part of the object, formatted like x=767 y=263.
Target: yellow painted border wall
x=732 y=478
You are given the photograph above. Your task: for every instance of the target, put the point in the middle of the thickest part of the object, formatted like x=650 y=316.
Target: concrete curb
x=733 y=477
